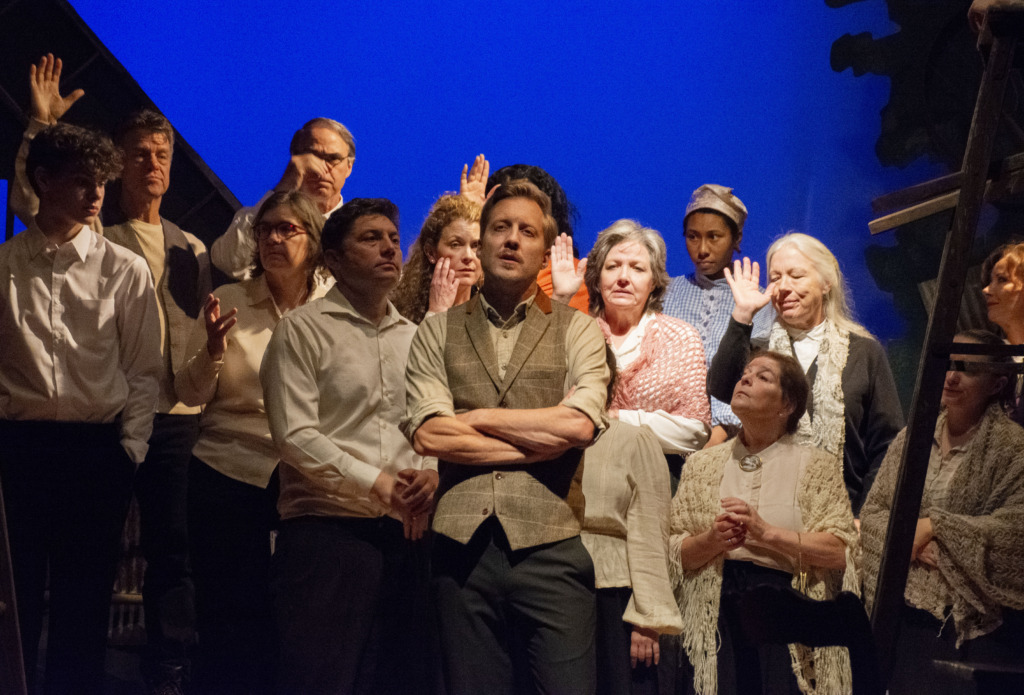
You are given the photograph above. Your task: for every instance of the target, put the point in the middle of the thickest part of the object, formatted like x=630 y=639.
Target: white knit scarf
x=828 y=430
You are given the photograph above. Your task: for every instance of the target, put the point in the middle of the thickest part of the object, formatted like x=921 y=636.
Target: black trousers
x=66 y=490
x=229 y=534
x=168 y=595
x=743 y=667
x=615 y=675
x=515 y=620
x=351 y=603
x=923 y=639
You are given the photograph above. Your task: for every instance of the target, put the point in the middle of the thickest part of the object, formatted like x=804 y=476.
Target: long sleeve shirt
x=334 y=388
x=80 y=334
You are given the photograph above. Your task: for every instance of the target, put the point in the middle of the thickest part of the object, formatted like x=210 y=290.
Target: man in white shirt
x=322 y=153
x=348 y=584
x=78 y=386
x=180 y=269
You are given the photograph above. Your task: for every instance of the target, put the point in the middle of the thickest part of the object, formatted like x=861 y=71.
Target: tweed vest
x=184 y=286
x=535 y=503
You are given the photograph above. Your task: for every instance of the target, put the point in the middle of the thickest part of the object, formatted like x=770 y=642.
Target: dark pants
x=923 y=639
x=515 y=620
x=229 y=535
x=66 y=489
x=161 y=487
x=743 y=667
x=615 y=675
x=351 y=602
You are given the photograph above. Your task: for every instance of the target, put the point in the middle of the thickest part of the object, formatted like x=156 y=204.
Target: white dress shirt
x=334 y=388
x=79 y=333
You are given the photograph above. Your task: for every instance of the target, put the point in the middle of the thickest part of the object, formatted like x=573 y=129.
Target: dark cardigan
x=871 y=405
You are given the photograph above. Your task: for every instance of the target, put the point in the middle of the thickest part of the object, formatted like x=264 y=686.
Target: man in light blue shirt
x=713 y=228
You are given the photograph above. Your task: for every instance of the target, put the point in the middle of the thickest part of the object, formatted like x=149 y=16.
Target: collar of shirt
x=706 y=283
x=334 y=302
x=517 y=316
x=629 y=350
x=38 y=243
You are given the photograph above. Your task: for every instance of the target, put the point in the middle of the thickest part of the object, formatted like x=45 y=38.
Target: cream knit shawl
x=979 y=531
x=824 y=505
x=828 y=429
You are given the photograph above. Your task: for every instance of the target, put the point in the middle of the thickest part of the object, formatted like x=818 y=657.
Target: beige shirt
x=428 y=391
x=771 y=490
x=234 y=436
x=334 y=385
x=79 y=340
x=940 y=472
x=625 y=530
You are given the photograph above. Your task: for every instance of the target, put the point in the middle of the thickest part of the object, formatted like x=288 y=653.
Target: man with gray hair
x=713 y=228
x=322 y=153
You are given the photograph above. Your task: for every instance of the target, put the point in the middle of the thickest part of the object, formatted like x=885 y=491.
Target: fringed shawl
x=825 y=507
x=979 y=531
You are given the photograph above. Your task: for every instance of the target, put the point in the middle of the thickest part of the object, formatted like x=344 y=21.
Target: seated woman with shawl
x=968 y=553
x=763 y=508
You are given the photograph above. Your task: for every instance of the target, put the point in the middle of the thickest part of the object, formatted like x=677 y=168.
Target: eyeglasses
x=285 y=230
x=331 y=159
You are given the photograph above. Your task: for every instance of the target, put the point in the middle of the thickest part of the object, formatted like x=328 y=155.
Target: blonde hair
x=835 y=304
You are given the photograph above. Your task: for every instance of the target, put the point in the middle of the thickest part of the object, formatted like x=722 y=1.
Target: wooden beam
x=892 y=576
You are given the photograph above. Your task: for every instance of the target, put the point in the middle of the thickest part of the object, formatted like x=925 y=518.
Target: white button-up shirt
x=334 y=389
x=79 y=334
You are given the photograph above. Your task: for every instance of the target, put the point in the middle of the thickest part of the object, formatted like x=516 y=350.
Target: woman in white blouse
x=760 y=509
x=232 y=501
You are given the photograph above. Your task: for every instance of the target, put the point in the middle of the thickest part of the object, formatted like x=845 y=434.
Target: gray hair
x=619 y=232
x=302 y=135
x=835 y=304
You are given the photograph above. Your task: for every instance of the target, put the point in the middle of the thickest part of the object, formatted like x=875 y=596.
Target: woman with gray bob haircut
x=853 y=411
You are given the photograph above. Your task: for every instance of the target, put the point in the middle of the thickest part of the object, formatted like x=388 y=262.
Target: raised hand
x=444 y=286
x=300 y=168
x=217 y=327
x=473 y=182
x=566 y=275
x=743 y=281
x=44 y=85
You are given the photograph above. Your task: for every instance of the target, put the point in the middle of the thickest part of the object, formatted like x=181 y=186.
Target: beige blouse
x=771 y=490
x=625 y=528
x=234 y=436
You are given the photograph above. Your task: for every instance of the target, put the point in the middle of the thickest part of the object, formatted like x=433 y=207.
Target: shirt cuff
x=135 y=449
x=362 y=474
x=424 y=411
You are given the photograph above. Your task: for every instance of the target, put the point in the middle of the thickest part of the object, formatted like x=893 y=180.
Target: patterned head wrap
x=711 y=196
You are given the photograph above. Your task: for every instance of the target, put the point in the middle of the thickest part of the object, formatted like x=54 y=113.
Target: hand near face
x=473 y=182
x=217 y=327
x=303 y=168
x=643 y=647
x=44 y=84
x=742 y=513
x=566 y=275
x=444 y=287
x=743 y=280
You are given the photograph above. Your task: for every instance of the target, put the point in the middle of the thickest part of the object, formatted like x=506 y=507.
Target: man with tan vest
x=180 y=270
x=506 y=391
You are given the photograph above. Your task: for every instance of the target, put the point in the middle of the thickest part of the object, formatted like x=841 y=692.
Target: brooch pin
x=750 y=463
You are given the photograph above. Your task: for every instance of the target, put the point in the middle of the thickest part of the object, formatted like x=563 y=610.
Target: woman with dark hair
x=442 y=270
x=232 y=499
x=968 y=552
x=762 y=508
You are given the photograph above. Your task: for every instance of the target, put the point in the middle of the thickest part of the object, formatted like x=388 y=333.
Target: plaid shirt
x=707 y=305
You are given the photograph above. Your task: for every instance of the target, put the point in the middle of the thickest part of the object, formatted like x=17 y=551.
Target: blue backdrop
x=629 y=105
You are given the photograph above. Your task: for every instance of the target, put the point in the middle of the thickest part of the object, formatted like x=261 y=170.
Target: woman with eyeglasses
x=964 y=596
x=232 y=499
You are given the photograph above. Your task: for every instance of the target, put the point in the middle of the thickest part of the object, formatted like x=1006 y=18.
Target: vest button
x=484 y=511
x=498 y=476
